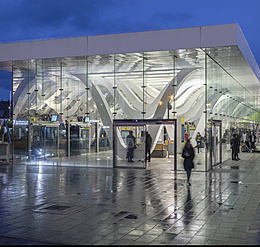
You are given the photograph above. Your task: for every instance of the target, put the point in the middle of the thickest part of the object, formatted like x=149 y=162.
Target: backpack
x=130 y=142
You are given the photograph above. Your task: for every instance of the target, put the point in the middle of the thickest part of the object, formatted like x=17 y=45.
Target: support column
x=179 y=135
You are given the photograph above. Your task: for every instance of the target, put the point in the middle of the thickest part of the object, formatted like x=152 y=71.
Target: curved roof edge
x=171 y=39
x=247 y=53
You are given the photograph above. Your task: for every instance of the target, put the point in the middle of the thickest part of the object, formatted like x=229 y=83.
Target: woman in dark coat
x=188 y=155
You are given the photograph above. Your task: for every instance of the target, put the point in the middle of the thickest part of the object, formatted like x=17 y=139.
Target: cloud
x=47 y=19
x=30 y=19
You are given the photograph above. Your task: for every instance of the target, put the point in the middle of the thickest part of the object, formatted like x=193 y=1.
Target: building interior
x=67 y=111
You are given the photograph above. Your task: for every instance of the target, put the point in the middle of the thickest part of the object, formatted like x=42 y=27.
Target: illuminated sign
x=21 y=122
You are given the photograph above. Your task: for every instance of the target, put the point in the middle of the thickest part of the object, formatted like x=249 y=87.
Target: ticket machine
x=44 y=139
x=79 y=138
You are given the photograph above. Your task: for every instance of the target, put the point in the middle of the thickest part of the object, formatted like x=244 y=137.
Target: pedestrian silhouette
x=148 y=142
x=188 y=155
x=130 y=143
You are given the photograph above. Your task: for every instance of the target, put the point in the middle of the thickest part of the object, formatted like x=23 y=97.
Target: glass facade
x=228 y=102
x=64 y=108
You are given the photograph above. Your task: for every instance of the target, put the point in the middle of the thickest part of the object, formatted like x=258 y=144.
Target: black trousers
x=188 y=172
x=198 y=145
x=130 y=154
x=234 y=153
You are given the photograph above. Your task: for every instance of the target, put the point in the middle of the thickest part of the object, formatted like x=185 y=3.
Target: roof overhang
x=173 y=39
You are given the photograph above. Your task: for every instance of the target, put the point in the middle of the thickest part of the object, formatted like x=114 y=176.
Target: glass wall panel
x=129 y=85
x=84 y=94
x=227 y=101
x=22 y=81
x=102 y=105
x=159 y=79
x=189 y=99
x=74 y=100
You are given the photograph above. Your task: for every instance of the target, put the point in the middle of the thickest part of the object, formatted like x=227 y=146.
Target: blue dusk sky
x=23 y=20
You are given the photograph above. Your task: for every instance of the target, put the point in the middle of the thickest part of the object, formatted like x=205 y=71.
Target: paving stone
x=105 y=206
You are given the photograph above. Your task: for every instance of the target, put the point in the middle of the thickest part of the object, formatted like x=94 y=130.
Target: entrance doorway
x=79 y=138
x=163 y=133
x=216 y=143
x=44 y=140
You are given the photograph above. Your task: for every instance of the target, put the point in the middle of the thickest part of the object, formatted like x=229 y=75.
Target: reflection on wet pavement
x=95 y=206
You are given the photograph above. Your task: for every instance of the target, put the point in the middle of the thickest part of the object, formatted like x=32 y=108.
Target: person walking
x=238 y=145
x=199 y=141
x=252 y=140
x=188 y=155
x=247 y=140
x=234 y=146
x=148 y=145
x=130 y=143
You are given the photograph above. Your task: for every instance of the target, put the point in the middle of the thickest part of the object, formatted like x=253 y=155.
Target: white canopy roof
x=241 y=65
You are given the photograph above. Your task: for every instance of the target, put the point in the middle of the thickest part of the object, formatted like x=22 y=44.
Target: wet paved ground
x=95 y=206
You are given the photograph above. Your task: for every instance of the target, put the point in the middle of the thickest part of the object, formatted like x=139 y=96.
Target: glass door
x=154 y=143
x=44 y=140
x=129 y=145
x=37 y=142
x=217 y=146
x=51 y=141
x=79 y=136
